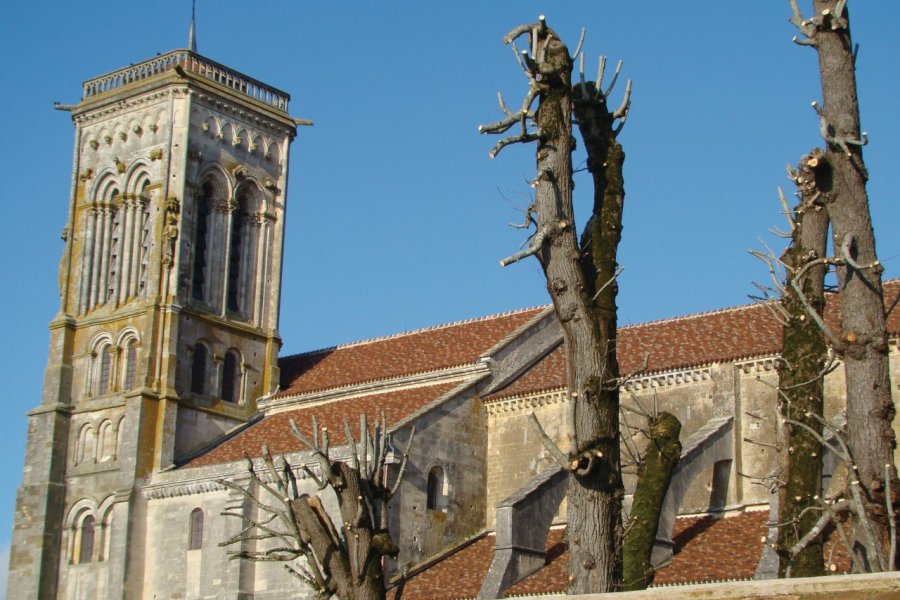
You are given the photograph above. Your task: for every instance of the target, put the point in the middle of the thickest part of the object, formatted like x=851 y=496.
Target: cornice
x=218 y=104
x=758 y=364
x=141 y=308
x=210 y=317
x=190 y=488
x=207 y=480
x=669 y=378
x=517 y=404
x=118 y=106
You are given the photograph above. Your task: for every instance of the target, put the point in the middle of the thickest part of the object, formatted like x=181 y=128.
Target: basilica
x=164 y=370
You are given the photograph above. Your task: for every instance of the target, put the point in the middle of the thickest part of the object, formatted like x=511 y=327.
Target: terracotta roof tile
x=707 y=548
x=728 y=334
x=459 y=575
x=419 y=351
x=275 y=430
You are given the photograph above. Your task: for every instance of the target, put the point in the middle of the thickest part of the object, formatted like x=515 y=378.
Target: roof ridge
x=697 y=315
x=727 y=309
x=415 y=331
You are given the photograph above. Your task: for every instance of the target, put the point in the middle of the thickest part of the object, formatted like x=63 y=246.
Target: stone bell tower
x=167 y=332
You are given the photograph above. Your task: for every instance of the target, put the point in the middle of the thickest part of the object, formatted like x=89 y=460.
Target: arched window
x=105 y=370
x=86 y=540
x=130 y=364
x=195 y=539
x=437 y=489
x=198 y=369
x=201 y=242
x=231 y=377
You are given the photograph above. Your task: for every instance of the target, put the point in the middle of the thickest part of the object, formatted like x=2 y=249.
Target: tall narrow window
x=195 y=541
x=231 y=377
x=198 y=369
x=234 y=258
x=201 y=242
x=437 y=490
x=130 y=364
x=86 y=540
x=105 y=370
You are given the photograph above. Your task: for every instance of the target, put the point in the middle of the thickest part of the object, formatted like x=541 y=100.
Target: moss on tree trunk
x=800 y=378
x=655 y=473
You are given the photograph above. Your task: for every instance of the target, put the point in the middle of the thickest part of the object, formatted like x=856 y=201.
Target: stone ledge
x=874 y=586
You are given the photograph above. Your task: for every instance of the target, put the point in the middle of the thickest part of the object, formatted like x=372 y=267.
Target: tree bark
x=660 y=459
x=870 y=409
x=595 y=488
x=800 y=372
x=581 y=282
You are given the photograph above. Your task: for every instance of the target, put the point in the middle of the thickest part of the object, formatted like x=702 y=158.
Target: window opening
x=130 y=364
x=200 y=244
x=86 y=548
x=195 y=541
x=437 y=490
x=105 y=368
x=230 y=377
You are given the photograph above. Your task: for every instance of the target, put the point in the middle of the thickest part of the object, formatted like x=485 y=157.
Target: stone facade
x=173 y=242
x=163 y=369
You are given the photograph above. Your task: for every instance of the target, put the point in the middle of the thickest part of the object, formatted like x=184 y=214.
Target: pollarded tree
x=581 y=280
x=801 y=367
x=862 y=340
x=343 y=560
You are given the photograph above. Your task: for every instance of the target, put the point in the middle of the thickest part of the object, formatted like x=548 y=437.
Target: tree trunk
x=870 y=409
x=581 y=283
x=595 y=489
x=655 y=474
x=800 y=379
x=353 y=564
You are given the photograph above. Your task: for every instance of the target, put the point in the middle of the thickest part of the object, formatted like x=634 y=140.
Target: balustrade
x=193 y=63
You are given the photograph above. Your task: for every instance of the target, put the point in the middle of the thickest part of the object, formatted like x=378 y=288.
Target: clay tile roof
x=421 y=351
x=275 y=430
x=459 y=575
x=707 y=548
x=682 y=342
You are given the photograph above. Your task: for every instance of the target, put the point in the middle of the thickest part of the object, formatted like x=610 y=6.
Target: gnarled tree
x=862 y=341
x=581 y=279
x=343 y=560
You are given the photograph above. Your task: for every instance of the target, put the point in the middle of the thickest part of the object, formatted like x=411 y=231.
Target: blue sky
x=397 y=218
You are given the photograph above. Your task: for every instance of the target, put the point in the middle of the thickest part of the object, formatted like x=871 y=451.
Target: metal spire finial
x=192 y=37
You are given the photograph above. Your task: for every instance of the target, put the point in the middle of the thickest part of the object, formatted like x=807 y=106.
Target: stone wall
x=449 y=435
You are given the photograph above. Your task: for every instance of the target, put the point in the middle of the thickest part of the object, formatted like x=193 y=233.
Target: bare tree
x=581 y=280
x=862 y=340
x=344 y=560
x=801 y=368
x=798 y=278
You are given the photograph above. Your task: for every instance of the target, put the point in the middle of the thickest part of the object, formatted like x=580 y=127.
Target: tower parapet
x=193 y=63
